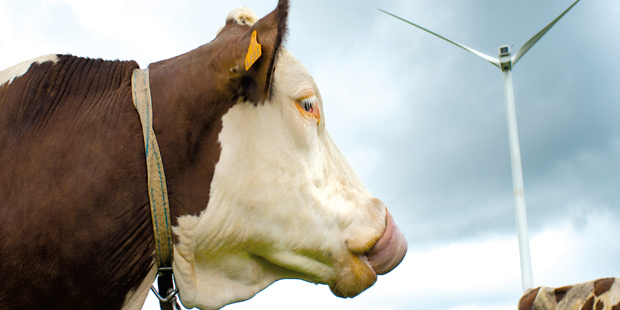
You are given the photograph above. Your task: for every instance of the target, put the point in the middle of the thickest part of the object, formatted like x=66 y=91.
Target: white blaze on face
x=284 y=204
x=10 y=74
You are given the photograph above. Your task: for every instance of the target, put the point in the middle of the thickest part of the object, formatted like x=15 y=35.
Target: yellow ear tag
x=254 y=52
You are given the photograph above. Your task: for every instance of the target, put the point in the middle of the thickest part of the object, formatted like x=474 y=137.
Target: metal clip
x=165 y=278
x=171 y=297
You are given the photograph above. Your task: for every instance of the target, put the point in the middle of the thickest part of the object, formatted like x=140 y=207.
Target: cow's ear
x=261 y=45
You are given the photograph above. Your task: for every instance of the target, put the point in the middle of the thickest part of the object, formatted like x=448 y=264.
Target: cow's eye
x=308 y=108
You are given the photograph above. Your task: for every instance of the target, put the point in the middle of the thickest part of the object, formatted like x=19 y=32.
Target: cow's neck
x=187 y=120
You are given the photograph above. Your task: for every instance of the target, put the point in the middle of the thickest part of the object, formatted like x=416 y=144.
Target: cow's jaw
x=284 y=203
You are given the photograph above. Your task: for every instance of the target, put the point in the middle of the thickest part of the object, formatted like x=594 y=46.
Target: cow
x=258 y=191
x=601 y=294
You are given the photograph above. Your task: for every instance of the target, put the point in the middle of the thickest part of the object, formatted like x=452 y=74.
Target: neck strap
x=157 y=189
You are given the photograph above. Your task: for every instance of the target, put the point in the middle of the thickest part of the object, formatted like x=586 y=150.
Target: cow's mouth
x=383 y=257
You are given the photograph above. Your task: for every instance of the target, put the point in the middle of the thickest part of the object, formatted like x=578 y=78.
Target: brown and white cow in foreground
x=258 y=190
x=601 y=294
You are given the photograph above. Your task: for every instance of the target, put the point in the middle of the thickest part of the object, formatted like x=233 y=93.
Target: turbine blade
x=526 y=47
x=493 y=61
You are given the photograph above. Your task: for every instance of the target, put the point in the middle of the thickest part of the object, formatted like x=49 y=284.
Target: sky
x=423 y=123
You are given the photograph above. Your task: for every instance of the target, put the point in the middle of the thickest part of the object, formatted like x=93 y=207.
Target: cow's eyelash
x=308 y=103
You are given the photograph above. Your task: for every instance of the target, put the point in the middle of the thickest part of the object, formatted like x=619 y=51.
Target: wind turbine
x=505 y=62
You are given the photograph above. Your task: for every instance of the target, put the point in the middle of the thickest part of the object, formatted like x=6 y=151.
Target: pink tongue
x=389 y=250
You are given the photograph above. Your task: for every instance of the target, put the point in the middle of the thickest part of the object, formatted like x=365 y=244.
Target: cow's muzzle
x=362 y=271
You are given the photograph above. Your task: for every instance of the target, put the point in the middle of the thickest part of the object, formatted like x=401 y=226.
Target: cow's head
x=284 y=202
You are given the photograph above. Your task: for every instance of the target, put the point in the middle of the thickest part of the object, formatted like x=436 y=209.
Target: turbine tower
x=505 y=62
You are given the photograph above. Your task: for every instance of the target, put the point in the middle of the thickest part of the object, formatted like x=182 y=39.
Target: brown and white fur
x=601 y=294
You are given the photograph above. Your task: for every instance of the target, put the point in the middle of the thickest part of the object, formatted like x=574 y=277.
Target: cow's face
x=284 y=203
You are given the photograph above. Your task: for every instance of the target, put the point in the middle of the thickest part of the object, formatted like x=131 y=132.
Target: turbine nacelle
x=504 y=58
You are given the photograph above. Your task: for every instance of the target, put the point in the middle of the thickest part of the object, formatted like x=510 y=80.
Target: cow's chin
x=354 y=278
x=349 y=276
